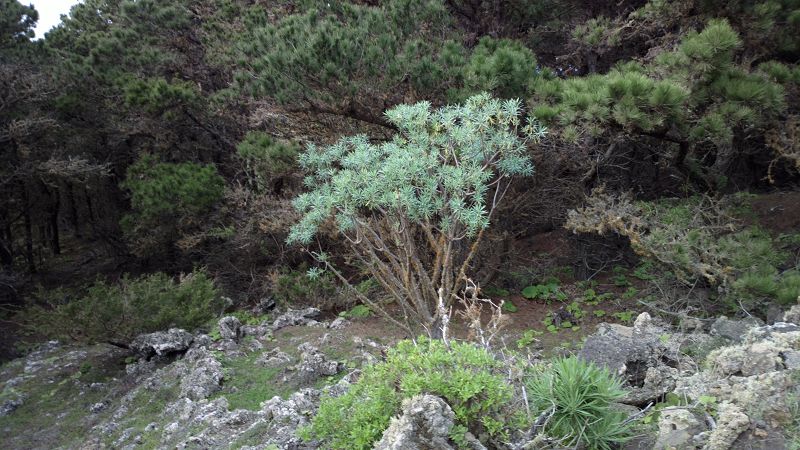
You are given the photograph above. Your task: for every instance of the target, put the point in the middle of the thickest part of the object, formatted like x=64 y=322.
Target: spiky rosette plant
x=413 y=209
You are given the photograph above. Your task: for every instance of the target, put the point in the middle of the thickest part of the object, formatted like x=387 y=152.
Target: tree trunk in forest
x=55 y=243
x=26 y=214
x=90 y=211
x=6 y=245
x=73 y=211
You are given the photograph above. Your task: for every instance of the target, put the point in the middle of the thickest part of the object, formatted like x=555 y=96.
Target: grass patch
x=56 y=403
x=147 y=407
x=247 y=384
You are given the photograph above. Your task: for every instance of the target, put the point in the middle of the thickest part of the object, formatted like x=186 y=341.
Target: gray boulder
x=205 y=376
x=9 y=406
x=257 y=331
x=314 y=364
x=791 y=359
x=264 y=305
x=162 y=343
x=424 y=424
x=339 y=323
x=677 y=428
x=294 y=317
x=792 y=315
x=733 y=330
x=273 y=358
x=230 y=328
x=638 y=355
x=202 y=340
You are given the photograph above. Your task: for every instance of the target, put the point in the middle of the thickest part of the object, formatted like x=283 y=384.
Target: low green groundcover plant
x=117 y=312
x=467 y=377
x=577 y=397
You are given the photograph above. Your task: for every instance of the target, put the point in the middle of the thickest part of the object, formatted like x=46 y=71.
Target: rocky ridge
x=733 y=384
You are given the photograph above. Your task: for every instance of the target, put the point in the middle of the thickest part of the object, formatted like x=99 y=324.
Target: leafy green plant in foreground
x=356 y=312
x=528 y=337
x=467 y=377
x=580 y=396
x=547 y=291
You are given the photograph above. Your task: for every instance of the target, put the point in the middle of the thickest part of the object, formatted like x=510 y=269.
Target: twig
x=638 y=414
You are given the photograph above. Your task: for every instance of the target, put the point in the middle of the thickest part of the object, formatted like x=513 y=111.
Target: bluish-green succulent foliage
x=437 y=169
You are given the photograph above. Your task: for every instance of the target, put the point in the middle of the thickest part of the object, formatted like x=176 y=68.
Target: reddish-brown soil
x=778 y=212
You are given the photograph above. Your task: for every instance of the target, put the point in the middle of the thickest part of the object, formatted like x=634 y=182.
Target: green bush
x=296 y=288
x=265 y=159
x=118 y=312
x=580 y=396
x=160 y=189
x=326 y=52
x=167 y=199
x=700 y=240
x=502 y=66
x=468 y=378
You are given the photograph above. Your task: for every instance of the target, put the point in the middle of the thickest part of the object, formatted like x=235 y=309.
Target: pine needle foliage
x=414 y=208
x=265 y=158
x=16 y=23
x=167 y=198
x=696 y=94
x=334 y=52
x=125 y=51
x=501 y=66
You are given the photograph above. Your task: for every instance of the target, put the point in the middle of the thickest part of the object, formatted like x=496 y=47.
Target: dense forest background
x=144 y=136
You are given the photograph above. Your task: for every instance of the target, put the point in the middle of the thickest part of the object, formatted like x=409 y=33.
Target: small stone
x=296 y=317
x=97 y=407
x=315 y=364
x=205 y=377
x=230 y=328
x=9 y=406
x=731 y=422
x=255 y=345
x=273 y=358
x=162 y=343
x=732 y=330
x=425 y=422
x=339 y=323
x=202 y=340
x=791 y=359
x=793 y=314
x=264 y=305
x=677 y=428
x=258 y=331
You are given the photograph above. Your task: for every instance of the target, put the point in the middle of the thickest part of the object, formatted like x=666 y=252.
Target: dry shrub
x=785 y=141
